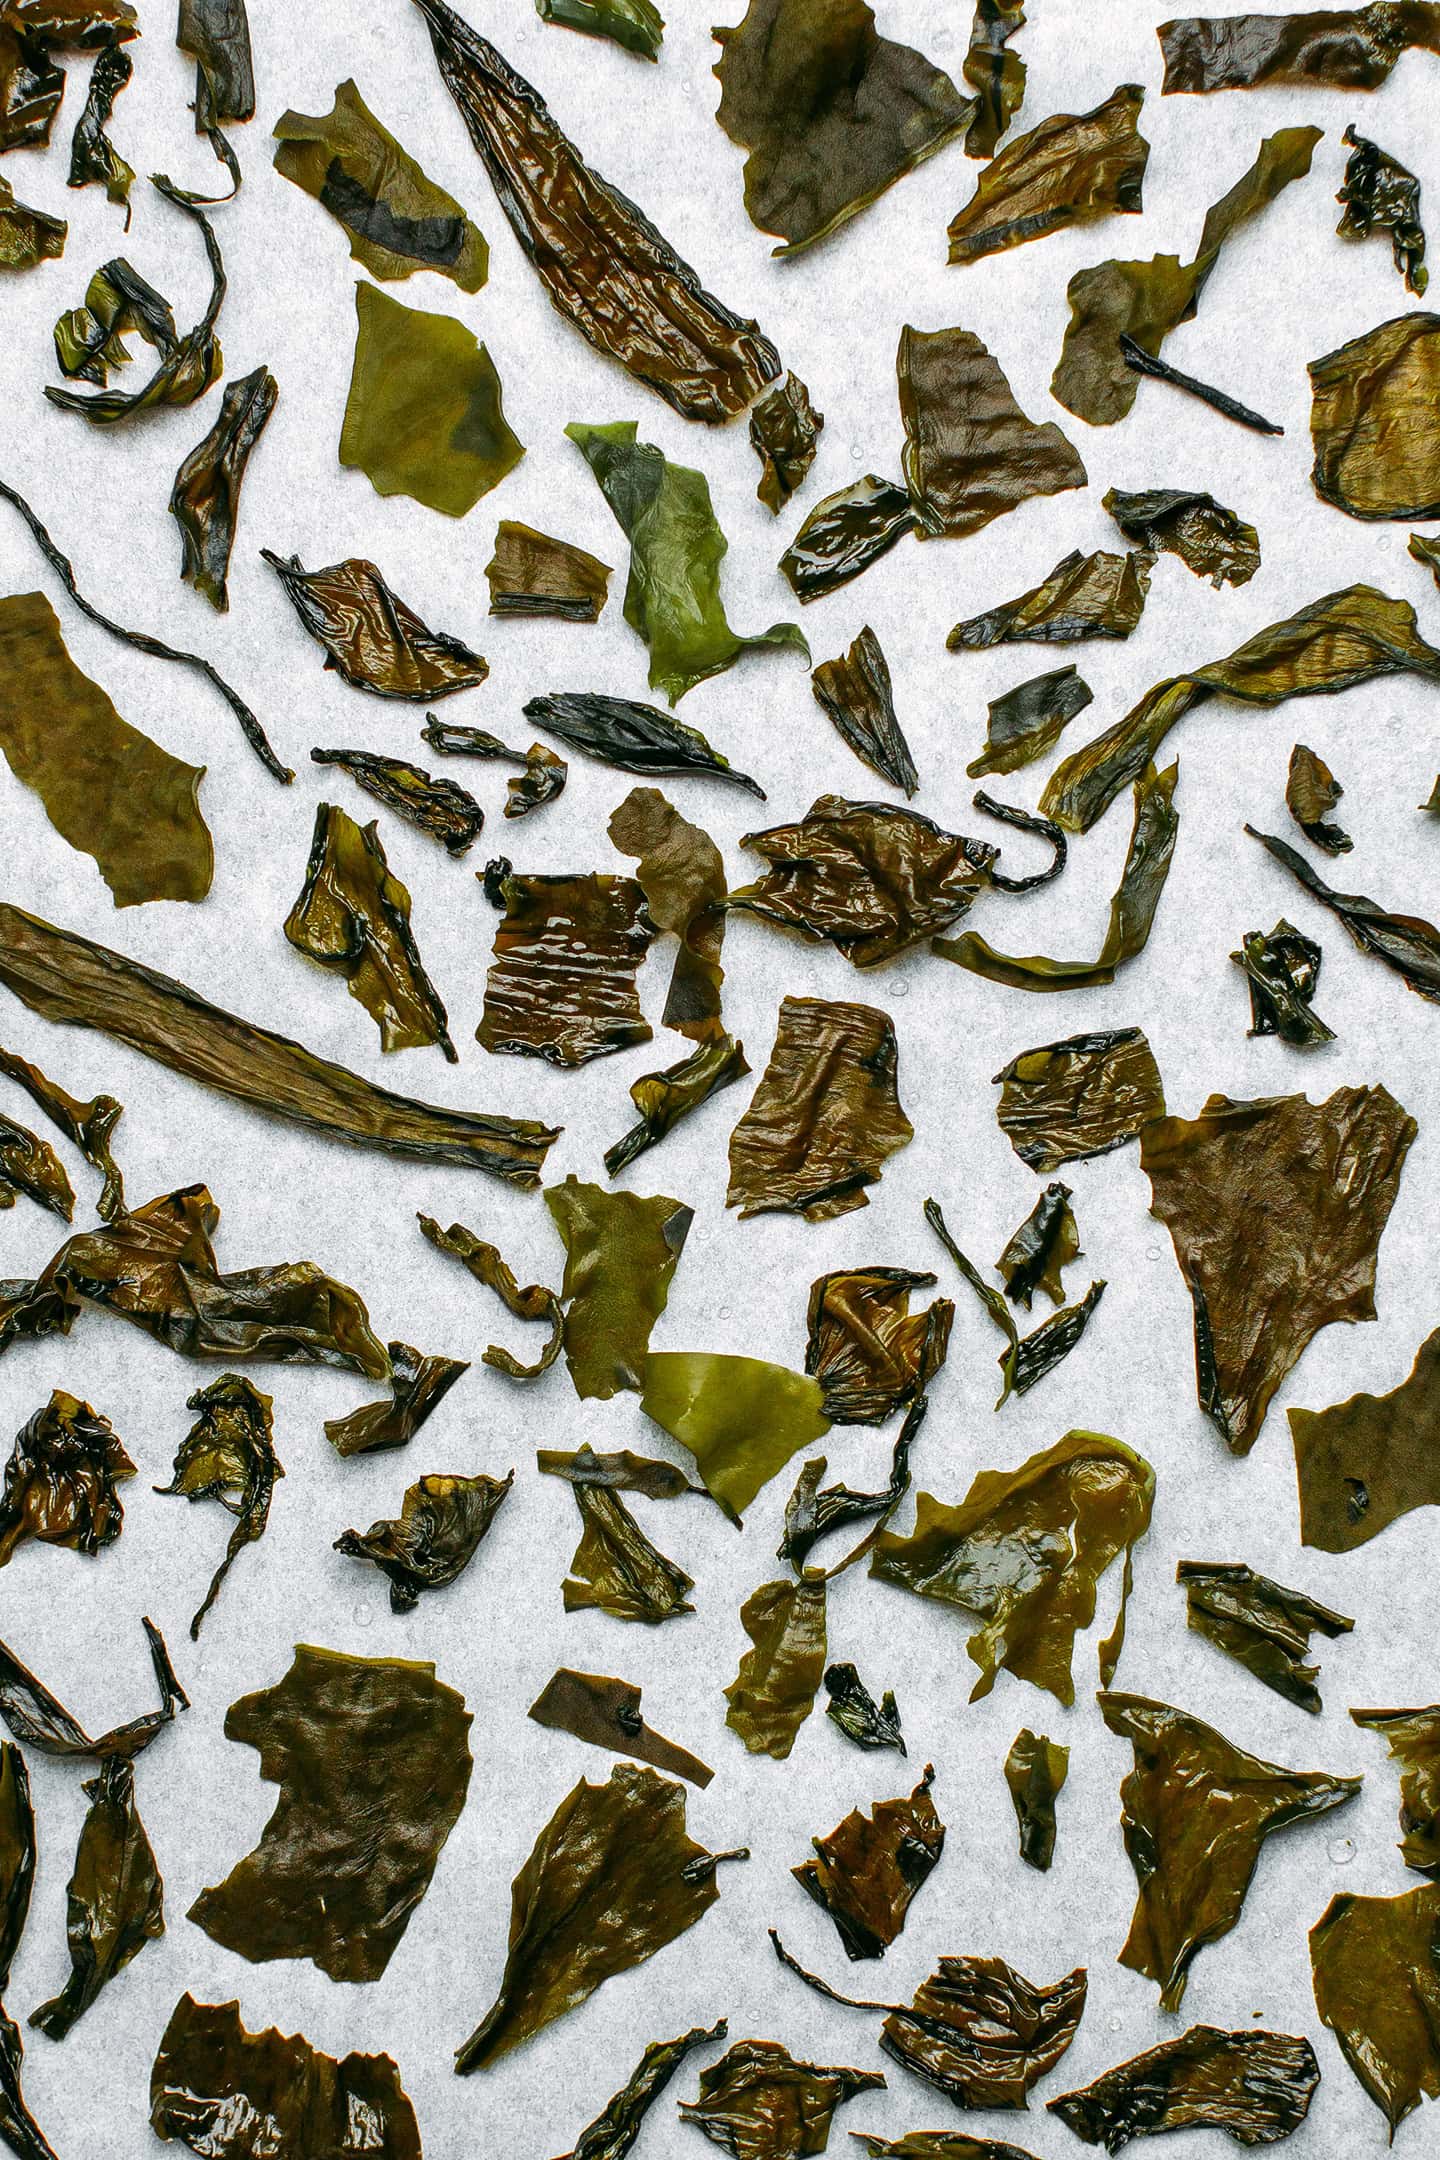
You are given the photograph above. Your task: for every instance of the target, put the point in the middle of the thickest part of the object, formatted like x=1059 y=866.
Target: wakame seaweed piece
x=682 y=875
x=639 y=27
x=1413 y=1739
x=996 y=76
x=970 y=453
x=437 y=807
x=1375 y=1970
x=424 y=416
x=27 y=236
x=869 y=1352
x=142 y=642
x=784 y=434
x=613 y=2132
x=664 y=1098
x=869 y=1868
x=1147 y=300
x=615 y=1568
x=442 y=1523
x=1255 y=2086
x=1327 y=48
x=1070 y=170
x=811 y=1513
x=741 y=1418
x=418 y=1385
x=561 y=985
x=397 y=219
x=92 y=154
x=1080 y=1097
x=1311 y=793
x=672 y=594
x=759 y=2103
x=1141 y=362
x=90 y=340
x=1339 y=642
x=115 y=1902
x=621 y=1251
x=825 y=1116
x=17 y=1862
x=844 y=534
x=370 y=637
x=543 y=779
x=1085 y=596
x=205 y=498
x=1406 y=944
x=1195 y=1811
x=613 y=1877
x=1365 y=1462
x=1282 y=972
x=854 y=692
x=779 y=1676
x=1132 y=907
x=1372 y=421
x=633 y=738
x=217 y=34
x=855 y=1711
x=110 y=791
x=34 y=1715
x=1209 y=539
x=1262 y=1625
x=830 y=113
x=31 y=87
x=228 y=1455
x=1265 y=1276
x=30 y=1165
x=606 y=1714
x=604 y=266
x=1024 y=723
x=1046 y=1346
x=1035 y=1770
x=222 y=2090
x=531 y=573
x=66 y=977
x=87 y=1125
x=620 y=1472
x=1025 y=1551
x=1041 y=1249
x=1380 y=195
x=60 y=1480
x=534 y=1302
x=373 y=1761
x=937 y=2145
x=353 y=916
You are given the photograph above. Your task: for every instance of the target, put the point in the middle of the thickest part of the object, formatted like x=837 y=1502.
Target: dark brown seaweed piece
x=1260 y=1623
x=1365 y=1462
x=1372 y=421
x=682 y=875
x=970 y=453
x=604 y=266
x=1209 y=539
x=937 y=2145
x=831 y=113
x=1413 y=1739
x=34 y=1716
x=854 y=691
x=1255 y=2086
x=1070 y=170
x=869 y=1868
x=1195 y=1811
x=1407 y=944
x=613 y=2132
x=1276 y=1209
x=373 y=1761
x=1350 y=48
x=442 y=1523
x=1379 y=195
x=1311 y=793
x=741 y=1418
x=205 y=499
x=60 y=1480
x=606 y=1713
x=996 y=76
x=1083 y=1096
x=562 y=983
x=543 y=779
x=620 y=1472
x=92 y=154
x=370 y=637
x=621 y=1251
x=664 y=1098
x=530 y=573
x=612 y=1878
x=1085 y=596
x=616 y=1569
x=30 y=1165
x=1024 y=723
x=534 y=1302
x=115 y=1902
x=844 y=534
x=17 y=1863
x=437 y=807
x=779 y=1676
x=825 y=1116
x=1041 y=1249
x=1025 y=1551
x=417 y=1384
x=228 y=1455
x=217 y=34
x=784 y=434
x=226 y=2092
x=1375 y=1968
x=1035 y=1770
x=1282 y=972
x=634 y=738
x=855 y=1711
x=27 y=236
x=811 y=1512
x=869 y=1352
x=1141 y=362
x=759 y=2103
x=31 y=87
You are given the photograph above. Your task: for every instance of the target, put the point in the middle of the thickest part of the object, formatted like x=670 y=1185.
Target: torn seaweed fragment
x=1282 y=972
x=854 y=692
x=370 y=637
x=825 y=1116
x=1262 y=1625
x=869 y=1868
x=228 y=1455
x=1083 y=1096
x=1255 y=2086
x=442 y=1523
x=561 y=985
x=418 y=1385
x=1379 y=195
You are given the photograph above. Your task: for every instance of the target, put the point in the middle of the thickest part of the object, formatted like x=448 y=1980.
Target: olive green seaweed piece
x=741 y=1418
x=35 y=1716
x=1025 y=1359
x=779 y=1676
x=615 y=1568
x=937 y=2145
x=844 y=534
x=17 y=1861
x=423 y=417
x=672 y=595
x=1069 y=170
x=1379 y=195
x=812 y=1512
x=621 y=1251
x=1351 y=48
x=1282 y=973
x=1413 y=1739
x=115 y=1902
x=60 y=1480
x=682 y=875
x=613 y=2133
x=397 y=219
x=1024 y=723
x=531 y=573
x=869 y=1352
x=1209 y=539
x=759 y=2103
x=857 y=1714
x=606 y=1714
x=1080 y=1097
x=1041 y=1249
x=854 y=693
x=561 y=985
x=784 y=434
x=533 y=1302
x=639 y=27
x=870 y=1867
x=27 y=236
x=996 y=75
x=370 y=637
x=1427 y=552
x=1372 y=421
x=92 y=154
x=30 y=1165
x=620 y=1472
x=1255 y=2086
x=437 y=807
x=443 y=1521
x=970 y=453
x=1262 y=1625
x=1195 y=1811
x=664 y=1098
x=1375 y=1969
x=612 y=1877
x=418 y=1385
x=825 y=1116
x=205 y=498
x=1084 y=596
x=228 y=1455
x=1365 y=1462
x=1035 y=1770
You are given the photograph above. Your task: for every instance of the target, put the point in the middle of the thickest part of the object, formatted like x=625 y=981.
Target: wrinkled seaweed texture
x=615 y=2129
x=634 y=738
x=664 y=1098
x=784 y=434
x=562 y=983
x=1282 y=973
x=606 y=1714
x=1375 y=1965
x=1406 y=944
x=1195 y=1811
x=1255 y=2086
x=779 y=1676
x=682 y=875
x=1038 y=1254
x=1365 y=1462
x=372 y=1759
x=27 y=236
x=1085 y=596
x=869 y=1352
x=1380 y=195
x=370 y=637
x=825 y=1117
x=1209 y=539
x=854 y=692
x=442 y=1522
x=115 y=1902
x=981 y=2033
x=531 y=573
x=1260 y=1623
x=1311 y=793
x=604 y=266
x=35 y=1716
x=672 y=594
x=1276 y=1209
x=831 y=113
x=844 y=534
x=228 y=1455
x=639 y=27
x=996 y=75
x=437 y=807
x=92 y=154
x=1070 y=170
x=1024 y=1553
x=869 y=1868
x=1023 y=723
x=1372 y=421
x=970 y=453
x=205 y=498
x=741 y=1418
x=1035 y=1770
x=621 y=1251
x=616 y=1568
x=1083 y=1096
x=417 y=1383
x=532 y=1302
x=854 y=1710
x=1413 y=1739
x=1325 y=48
x=759 y=2103
x=60 y=1480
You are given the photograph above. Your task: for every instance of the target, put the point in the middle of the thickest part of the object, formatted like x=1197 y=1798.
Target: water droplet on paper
x=363 y=1615
x=1341 y=1851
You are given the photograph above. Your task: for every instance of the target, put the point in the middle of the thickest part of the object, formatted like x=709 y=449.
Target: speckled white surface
x=1285 y=291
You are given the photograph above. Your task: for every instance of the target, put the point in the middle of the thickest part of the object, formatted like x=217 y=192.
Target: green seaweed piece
x=531 y=573
x=370 y=637
x=844 y=534
x=606 y=1714
x=1352 y=48
x=784 y=434
x=1041 y=1249
x=442 y=1523
x=437 y=807
x=825 y=1117
x=1365 y=1462
x=1070 y=170
x=1023 y=724
x=534 y=1302
x=1282 y=972
x=995 y=75
x=1084 y=596
x=633 y=738
x=1375 y=1968
x=27 y=236
x=216 y=34
x=1080 y=1097
x=115 y=1902
x=1379 y=195
x=639 y=27
x=970 y=453
x=1026 y=1359
x=35 y=1716
x=682 y=875
x=811 y=1512
x=228 y=1455
x=1311 y=793
x=561 y=985
x=1407 y=944
x=1209 y=539
x=621 y=1251
x=665 y=1097
x=30 y=1165
x=92 y=154
x=857 y=1714
x=613 y=2132
x=869 y=1352
x=779 y=1676
x=1035 y=1770
x=741 y=1418
x=854 y=692
x=417 y=1386
x=1262 y=1625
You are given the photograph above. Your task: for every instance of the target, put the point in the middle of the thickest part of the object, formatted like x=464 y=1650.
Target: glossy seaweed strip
x=636 y=738
x=1141 y=362
x=92 y=154
x=1407 y=944
x=614 y=2131
x=216 y=33
x=205 y=499
x=35 y=1716
x=87 y=1125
